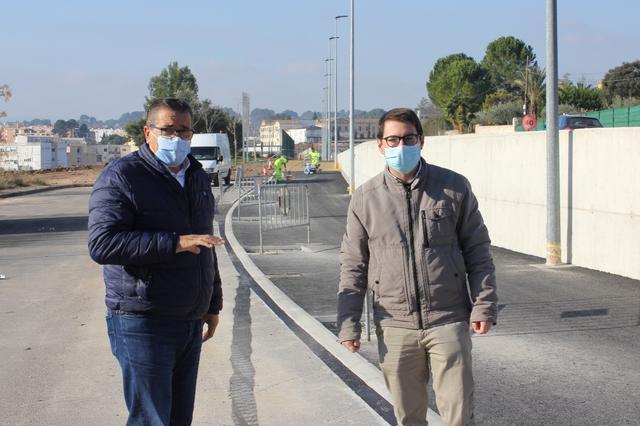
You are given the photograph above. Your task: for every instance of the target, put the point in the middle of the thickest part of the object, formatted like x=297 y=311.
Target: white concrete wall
x=599 y=185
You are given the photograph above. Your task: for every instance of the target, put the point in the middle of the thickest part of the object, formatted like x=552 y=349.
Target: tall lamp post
x=335 y=106
x=325 y=152
x=553 y=151
x=352 y=178
x=324 y=107
x=335 y=97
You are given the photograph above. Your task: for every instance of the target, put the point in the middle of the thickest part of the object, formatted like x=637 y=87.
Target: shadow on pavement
x=44 y=224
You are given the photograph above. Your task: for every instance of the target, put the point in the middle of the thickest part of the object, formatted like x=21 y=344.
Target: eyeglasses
x=171 y=132
x=410 y=139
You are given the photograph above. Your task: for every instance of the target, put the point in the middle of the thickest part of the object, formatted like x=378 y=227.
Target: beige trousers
x=408 y=356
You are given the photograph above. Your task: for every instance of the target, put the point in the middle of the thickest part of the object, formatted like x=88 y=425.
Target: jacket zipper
x=412 y=257
x=425 y=234
x=187 y=190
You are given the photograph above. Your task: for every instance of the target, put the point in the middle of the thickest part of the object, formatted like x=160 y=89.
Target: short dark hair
x=403 y=115
x=174 y=104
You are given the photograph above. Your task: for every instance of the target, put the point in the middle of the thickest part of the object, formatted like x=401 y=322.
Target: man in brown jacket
x=415 y=236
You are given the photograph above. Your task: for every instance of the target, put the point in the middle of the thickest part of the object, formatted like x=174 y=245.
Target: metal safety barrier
x=283 y=206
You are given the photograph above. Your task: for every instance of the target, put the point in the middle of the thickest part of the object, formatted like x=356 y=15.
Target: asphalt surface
x=56 y=365
x=565 y=350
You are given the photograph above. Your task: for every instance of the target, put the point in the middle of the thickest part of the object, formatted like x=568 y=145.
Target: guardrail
x=283 y=206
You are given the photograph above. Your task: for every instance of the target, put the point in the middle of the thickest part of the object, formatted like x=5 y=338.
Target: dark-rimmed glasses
x=170 y=132
x=410 y=139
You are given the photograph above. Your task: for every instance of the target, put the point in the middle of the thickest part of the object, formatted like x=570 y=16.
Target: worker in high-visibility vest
x=314 y=156
x=277 y=167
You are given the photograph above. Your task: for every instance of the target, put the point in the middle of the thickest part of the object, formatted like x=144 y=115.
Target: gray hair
x=174 y=104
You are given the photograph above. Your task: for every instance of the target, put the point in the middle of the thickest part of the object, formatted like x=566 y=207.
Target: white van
x=212 y=150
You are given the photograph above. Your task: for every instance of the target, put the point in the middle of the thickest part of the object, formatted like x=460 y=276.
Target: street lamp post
x=352 y=178
x=325 y=152
x=335 y=105
x=553 y=150
x=335 y=97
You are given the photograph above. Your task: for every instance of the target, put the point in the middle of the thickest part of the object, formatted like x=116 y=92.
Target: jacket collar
x=395 y=184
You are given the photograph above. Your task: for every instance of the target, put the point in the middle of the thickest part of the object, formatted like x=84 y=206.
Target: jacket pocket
x=438 y=226
x=446 y=279
x=390 y=279
x=172 y=287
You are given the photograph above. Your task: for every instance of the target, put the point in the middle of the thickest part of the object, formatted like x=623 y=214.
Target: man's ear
x=380 y=147
x=146 y=130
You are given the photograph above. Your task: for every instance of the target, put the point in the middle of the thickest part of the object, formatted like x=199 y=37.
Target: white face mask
x=172 y=151
x=403 y=158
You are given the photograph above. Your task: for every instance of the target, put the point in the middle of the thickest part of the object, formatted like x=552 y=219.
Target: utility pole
x=553 y=149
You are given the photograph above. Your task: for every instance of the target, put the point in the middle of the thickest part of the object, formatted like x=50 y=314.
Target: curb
x=355 y=362
x=38 y=190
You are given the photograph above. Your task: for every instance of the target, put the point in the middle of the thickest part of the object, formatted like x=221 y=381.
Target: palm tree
x=531 y=81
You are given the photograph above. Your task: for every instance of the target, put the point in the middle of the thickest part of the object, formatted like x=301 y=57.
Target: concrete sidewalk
x=256 y=371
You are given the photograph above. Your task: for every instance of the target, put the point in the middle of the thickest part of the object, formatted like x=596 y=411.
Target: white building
x=306 y=135
x=38 y=152
x=98 y=134
x=271 y=133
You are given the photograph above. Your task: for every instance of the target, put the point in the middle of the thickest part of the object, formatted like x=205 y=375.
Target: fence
x=246 y=188
x=612 y=117
x=283 y=206
x=617 y=117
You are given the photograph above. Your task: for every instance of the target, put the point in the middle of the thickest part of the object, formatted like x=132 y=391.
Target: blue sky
x=67 y=58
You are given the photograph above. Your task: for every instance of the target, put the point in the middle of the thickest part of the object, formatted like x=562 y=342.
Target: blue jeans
x=159 y=361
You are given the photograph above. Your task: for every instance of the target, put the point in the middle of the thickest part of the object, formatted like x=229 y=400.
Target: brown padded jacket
x=422 y=248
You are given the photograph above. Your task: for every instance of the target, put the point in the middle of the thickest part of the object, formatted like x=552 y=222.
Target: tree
x=5 y=93
x=135 y=131
x=173 y=81
x=72 y=125
x=113 y=140
x=83 y=131
x=502 y=113
x=376 y=113
x=60 y=128
x=208 y=118
x=504 y=58
x=260 y=114
x=283 y=116
x=580 y=96
x=531 y=81
x=622 y=82
x=458 y=85
x=426 y=109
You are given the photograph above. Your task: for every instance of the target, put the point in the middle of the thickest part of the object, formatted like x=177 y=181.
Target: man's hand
x=191 y=243
x=211 y=322
x=351 y=345
x=481 y=327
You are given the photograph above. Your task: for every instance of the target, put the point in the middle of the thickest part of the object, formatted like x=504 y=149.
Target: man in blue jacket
x=151 y=226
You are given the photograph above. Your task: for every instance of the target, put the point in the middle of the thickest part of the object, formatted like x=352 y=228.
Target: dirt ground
x=71 y=176
x=255 y=168
x=86 y=176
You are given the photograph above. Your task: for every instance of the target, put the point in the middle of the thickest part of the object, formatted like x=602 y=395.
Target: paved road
x=56 y=367
x=565 y=350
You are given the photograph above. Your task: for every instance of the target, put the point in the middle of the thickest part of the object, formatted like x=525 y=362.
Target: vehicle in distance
x=570 y=122
x=212 y=150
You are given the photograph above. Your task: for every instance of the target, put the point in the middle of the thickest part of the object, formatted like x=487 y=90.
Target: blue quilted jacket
x=137 y=211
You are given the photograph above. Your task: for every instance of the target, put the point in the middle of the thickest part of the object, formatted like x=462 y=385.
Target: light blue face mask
x=403 y=158
x=172 y=151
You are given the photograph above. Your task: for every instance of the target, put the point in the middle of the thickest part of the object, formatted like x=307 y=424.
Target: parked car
x=569 y=122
